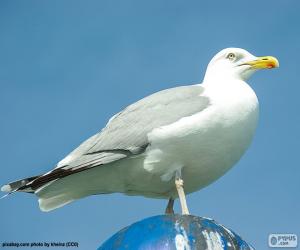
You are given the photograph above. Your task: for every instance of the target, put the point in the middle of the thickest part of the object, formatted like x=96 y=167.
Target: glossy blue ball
x=179 y=232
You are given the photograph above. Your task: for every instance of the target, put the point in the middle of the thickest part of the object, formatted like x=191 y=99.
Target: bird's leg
x=181 y=194
x=169 y=208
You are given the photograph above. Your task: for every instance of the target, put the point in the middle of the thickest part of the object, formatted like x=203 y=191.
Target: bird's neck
x=220 y=81
x=228 y=90
x=225 y=87
x=213 y=75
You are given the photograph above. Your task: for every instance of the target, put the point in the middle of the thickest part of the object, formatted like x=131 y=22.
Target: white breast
x=208 y=143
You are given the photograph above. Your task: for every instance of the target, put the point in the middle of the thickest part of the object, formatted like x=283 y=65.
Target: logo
x=283 y=240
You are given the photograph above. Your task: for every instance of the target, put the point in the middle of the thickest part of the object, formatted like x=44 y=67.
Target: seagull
x=168 y=144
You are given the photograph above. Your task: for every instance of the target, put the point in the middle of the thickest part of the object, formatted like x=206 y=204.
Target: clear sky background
x=67 y=66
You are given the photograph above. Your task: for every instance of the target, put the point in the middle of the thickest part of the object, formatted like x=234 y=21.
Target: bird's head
x=237 y=63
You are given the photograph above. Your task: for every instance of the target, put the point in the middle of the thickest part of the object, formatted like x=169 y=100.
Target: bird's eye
x=231 y=56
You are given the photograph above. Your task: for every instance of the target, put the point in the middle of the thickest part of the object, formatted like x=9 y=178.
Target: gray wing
x=126 y=133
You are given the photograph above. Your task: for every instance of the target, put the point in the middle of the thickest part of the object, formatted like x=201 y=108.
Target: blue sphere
x=179 y=232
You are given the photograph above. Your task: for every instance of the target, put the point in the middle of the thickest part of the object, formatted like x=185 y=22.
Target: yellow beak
x=264 y=62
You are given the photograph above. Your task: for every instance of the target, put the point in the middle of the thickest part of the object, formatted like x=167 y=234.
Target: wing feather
x=126 y=133
x=128 y=129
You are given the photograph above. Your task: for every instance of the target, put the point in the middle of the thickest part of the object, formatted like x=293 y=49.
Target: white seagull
x=173 y=142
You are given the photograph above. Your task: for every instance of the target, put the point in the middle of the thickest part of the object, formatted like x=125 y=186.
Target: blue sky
x=67 y=66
